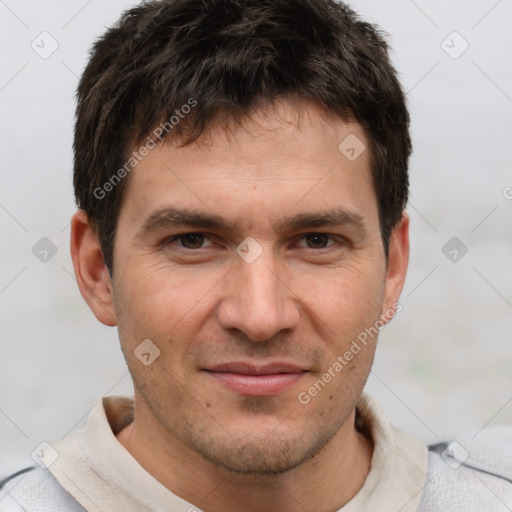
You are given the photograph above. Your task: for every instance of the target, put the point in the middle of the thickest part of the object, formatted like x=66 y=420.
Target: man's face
x=244 y=326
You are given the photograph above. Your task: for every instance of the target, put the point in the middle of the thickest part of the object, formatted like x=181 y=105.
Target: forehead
x=287 y=157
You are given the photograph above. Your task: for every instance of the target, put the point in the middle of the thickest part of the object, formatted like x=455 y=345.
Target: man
x=241 y=177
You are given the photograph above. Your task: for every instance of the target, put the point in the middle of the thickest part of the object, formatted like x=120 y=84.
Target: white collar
x=102 y=475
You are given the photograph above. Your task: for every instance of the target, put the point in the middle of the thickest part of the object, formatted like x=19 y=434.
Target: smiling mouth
x=257 y=380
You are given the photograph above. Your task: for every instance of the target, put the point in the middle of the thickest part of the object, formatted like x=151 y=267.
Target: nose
x=257 y=300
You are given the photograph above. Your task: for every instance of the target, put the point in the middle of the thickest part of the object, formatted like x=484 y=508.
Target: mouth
x=257 y=380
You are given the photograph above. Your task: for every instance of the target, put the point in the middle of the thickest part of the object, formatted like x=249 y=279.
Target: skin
x=303 y=301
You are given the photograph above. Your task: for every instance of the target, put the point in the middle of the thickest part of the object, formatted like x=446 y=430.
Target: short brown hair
x=229 y=56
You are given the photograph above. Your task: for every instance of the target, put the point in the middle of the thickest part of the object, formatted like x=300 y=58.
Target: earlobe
x=91 y=272
x=398 y=260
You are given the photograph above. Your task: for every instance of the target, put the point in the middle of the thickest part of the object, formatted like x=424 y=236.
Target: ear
x=398 y=260
x=90 y=270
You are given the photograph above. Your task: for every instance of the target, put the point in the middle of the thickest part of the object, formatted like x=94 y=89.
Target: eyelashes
x=196 y=240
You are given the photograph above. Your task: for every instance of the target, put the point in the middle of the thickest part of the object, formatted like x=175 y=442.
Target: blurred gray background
x=444 y=364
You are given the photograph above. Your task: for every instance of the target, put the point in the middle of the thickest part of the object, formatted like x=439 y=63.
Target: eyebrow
x=182 y=216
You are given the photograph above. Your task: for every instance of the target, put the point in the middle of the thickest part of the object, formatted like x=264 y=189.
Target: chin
x=269 y=454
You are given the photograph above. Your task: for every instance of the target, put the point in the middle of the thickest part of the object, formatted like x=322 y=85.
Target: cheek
x=342 y=301
x=168 y=305
x=161 y=294
x=343 y=310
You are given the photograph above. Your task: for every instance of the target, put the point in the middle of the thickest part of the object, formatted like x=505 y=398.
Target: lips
x=256 y=380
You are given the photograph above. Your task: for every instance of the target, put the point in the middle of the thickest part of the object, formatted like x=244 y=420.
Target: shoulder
x=471 y=472
x=35 y=489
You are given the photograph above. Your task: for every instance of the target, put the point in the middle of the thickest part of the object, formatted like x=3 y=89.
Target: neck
x=324 y=483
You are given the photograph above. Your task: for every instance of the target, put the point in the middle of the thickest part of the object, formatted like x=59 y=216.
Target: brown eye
x=317 y=240
x=192 y=240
